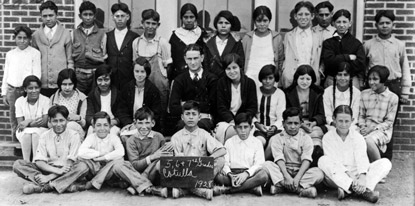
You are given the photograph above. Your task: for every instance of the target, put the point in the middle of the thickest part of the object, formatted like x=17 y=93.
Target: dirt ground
x=398 y=190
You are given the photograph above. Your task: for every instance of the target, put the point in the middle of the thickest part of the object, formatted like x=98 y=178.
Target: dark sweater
x=177 y=54
x=315 y=104
x=184 y=89
x=151 y=99
x=138 y=149
x=224 y=97
x=213 y=61
x=336 y=50
x=94 y=104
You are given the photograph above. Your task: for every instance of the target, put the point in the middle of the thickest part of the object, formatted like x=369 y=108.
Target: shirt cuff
x=148 y=160
x=226 y=169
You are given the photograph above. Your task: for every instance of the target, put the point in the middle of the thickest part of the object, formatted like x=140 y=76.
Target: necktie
x=49 y=35
x=196 y=78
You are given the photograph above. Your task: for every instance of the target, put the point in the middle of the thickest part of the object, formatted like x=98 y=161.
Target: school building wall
x=15 y=12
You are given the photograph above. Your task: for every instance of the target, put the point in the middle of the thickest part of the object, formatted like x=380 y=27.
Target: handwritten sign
x=187 y=172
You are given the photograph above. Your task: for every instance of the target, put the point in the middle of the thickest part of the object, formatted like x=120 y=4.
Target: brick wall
x=404 y=30
x=23 y=12
x=14 y=12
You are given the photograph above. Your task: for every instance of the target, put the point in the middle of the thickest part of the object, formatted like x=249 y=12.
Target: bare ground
x=399 y=191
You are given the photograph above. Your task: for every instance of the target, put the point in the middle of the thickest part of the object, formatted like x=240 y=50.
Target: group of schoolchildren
x=108 y=99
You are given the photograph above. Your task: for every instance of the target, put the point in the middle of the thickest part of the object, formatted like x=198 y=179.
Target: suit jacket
x=224 y=97
x=151 y=99
x=213 y=60
x=315 y=104
x=121 y=60
x=292 y=61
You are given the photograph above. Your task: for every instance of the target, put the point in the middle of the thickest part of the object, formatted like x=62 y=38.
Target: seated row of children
x=61 y=158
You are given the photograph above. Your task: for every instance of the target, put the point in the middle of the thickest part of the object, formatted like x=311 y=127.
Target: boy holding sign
x=145 y=147
x=194 y=141
x=242 y=172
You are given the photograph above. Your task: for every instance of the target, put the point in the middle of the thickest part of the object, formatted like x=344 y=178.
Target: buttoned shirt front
x=93 y=147
x=326 y=32
x=51 y=30
x=199 y=74
x=196 y=143
x=221 y=44
x=304 y=44
x=119 y=36
x=243 y=154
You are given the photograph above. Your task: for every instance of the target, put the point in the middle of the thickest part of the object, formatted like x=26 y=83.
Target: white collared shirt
x=188 y=36
x=119 y=36
x=16 y=68
x=138 y=98
x=325 y=33
x=93 y=146
x=304 y=45
x=199 y=74
x=243 y=154
x=53 y=29
x=236 y=100
x=88 y=31
x=221 y=44
x=106 y=104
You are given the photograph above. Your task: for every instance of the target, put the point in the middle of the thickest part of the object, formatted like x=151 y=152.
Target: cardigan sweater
x=213 y=60
x=203 y=91
x=94 y=104
x=121 y=60
x=315 y=104
x=224 y=97
x=151 y=99
x=56 y=54
x=336 y=50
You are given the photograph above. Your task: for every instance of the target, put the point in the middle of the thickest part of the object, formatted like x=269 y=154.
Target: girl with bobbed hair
x=304 y=94
x=221 y=44
x=74 y=100
x=32 y=115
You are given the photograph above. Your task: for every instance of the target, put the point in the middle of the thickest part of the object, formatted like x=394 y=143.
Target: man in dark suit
x=119 y=45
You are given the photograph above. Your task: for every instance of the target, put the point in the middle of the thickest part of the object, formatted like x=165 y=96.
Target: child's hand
x=289 y=183
x=167 y=147
x=271 y=131
x=352 y=57
x=156 y=155
x=240 y=178
x=359 y=184
x=23 y=124
x=306 y=127
x=99 y=159
x=73 y=117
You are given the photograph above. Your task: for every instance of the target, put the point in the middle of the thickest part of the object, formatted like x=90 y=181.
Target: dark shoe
x=370 y=196
x=274 y=189
x=309 y=192
x=179 y=192
x=33 y=188
x=203 y=192
x=257 y=191
x=159 y=191
x=79 y=187
x=220 y=190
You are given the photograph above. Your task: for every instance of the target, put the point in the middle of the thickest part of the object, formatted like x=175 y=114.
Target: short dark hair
x=236 y=26
x=193 y=47
x=342 y=109
x=31 y=78
x=225 y=14
x=58 y=109
x=267 y=70
x=260 y=12
x=150 y=14
x=103 y=69
x=49 y=5
x=142 y=61
x=101 y=115
x=243 y=117
x=304 y=69
x=385 y=13
x=188 y=7
x=324 y=4
x=123 y=7
x=342 y=12
x=305 y=4
x=23 y=28
x=87 y=5
x=191 y=104
x=292 y=112
x=382 y=71
x=143 y=113
x=233 y=57
x=67 y=74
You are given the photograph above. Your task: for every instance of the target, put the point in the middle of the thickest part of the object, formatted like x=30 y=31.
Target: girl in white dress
x=32 y=115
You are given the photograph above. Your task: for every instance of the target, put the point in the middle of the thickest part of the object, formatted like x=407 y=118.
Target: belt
x=86 y=71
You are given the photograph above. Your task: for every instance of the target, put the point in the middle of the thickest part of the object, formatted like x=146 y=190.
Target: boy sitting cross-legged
x=194 y=141
x=104 y=152
x=242 y=172
x=145 y=147
x=292 y=150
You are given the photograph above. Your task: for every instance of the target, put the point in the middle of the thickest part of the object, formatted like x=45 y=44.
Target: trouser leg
x=377 y=170
x=335 y=174
x=311 y=177
x=273 y=171
x=78 y=170
x=259 y=178
x=26 y=170
x=126 y=171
